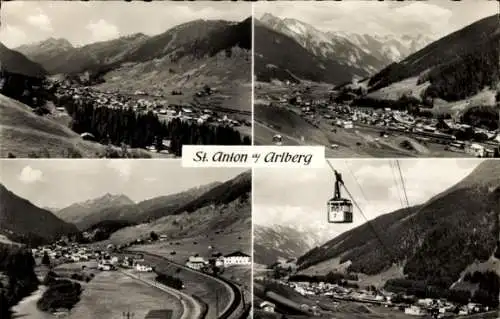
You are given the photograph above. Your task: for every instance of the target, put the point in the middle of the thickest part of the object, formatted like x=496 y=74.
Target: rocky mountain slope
x=24 y=222
x=452 y=68
x=433 y=242
x=121 y=208
x=354 y=55
x=277 y=241
x=199 y=39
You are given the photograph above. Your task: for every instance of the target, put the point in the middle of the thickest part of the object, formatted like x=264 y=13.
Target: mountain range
x=109 y=211
x=280 y=241
x=460 y=71
x=168 y=52
x=332 y=57
x=432 y=242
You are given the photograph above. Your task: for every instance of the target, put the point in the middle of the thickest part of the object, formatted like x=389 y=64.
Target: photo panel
x=378 y=238
x=379 y=78
x=124 y=239
x=123 y=79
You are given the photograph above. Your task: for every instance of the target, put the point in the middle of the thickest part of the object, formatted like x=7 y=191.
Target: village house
x=267 y=306
x=237 y=258
x=196 y=263
x=414 y=311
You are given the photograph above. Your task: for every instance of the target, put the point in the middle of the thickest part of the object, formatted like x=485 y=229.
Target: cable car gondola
x=339 y=209
x=277 y=139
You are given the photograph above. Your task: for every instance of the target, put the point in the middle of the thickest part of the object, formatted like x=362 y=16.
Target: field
x=327 y=307
x=23 y=134
x=109 y=294
x=203 y=246
x=362 y=141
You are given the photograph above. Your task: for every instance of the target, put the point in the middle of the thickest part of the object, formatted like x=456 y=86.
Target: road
x=235 y=299
x=191 y=307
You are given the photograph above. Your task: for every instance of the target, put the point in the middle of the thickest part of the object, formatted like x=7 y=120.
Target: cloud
x=122 y=167
x=12 y=36
x=40 y=21
x=294 y=197
x=103 y=30
x=29 y=175
x=374 y=17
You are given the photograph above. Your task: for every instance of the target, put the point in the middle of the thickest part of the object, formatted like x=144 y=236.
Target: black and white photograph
x=117 y=79
x=381 y=238
x=113 y=239
x=379 y=78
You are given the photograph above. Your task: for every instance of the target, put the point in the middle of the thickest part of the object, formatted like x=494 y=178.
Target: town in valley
x=151 y=249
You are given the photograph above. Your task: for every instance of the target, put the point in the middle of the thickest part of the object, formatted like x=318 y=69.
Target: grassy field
x=362 y=141
x=23 y=133
x=109 y=294
x=201 y=245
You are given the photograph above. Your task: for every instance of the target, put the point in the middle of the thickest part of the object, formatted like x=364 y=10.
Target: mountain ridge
x=453 y=229
x=34 y=225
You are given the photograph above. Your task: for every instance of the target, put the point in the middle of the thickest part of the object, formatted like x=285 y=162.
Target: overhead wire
x=375 y=232
x=392 y=165
x=403 y=184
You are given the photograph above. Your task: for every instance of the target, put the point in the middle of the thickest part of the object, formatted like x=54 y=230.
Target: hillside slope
x=456 y=66
x=222 y=210
x=22 y=132
x=15 y=62
x=280 y=57
x=271 y=243
x=452 y=230
x=24 y=222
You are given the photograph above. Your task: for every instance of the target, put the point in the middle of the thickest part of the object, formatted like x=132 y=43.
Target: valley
x=188 y=84
x=354 y=95
x=185 y=254
x=436 y=258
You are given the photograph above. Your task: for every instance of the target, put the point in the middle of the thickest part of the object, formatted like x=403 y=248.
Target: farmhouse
x=196 y=263
x=237 y=258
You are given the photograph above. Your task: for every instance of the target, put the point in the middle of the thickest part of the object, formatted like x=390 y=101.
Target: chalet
x=414 y=311
x=475 y=150
x=267 y=306
x=196 y=263
x=237 y=258
x=143 y=268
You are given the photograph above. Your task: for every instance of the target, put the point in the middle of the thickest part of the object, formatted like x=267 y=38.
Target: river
x=27 y=308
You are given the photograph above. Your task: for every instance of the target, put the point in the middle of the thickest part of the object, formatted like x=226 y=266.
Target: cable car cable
x=357 y=182
x=393 y=171
x=403 y=184
x=388 y=251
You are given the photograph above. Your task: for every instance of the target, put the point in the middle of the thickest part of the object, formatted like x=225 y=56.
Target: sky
x=298 y=197
x=434 y=18
x=60 y=183
x=25 y=22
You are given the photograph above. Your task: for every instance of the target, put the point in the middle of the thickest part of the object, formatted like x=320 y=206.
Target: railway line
x=231 y=309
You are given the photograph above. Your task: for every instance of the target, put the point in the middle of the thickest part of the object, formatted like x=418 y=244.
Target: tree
x=45 y=259
x=154 y=236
